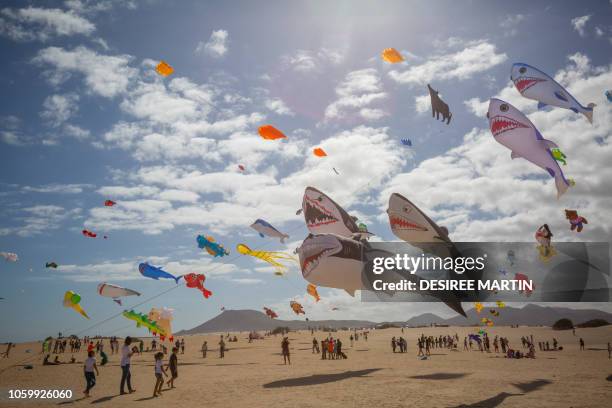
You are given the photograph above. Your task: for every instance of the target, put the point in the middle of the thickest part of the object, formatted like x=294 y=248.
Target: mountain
x=247 y=320
x=530 y=315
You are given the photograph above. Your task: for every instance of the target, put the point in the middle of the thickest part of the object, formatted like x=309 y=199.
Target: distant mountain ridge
x=530 y=315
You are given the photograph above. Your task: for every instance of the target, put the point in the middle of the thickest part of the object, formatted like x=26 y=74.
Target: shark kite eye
x=504 y=107
x=320 y=199
x=522 y=70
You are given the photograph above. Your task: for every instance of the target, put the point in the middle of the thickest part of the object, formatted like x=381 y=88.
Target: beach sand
x=253 y=375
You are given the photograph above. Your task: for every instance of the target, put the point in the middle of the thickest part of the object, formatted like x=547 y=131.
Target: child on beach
x=285 y=350
x=159 y=370
x=173 y=366
x=204 y=349
x=88 y=369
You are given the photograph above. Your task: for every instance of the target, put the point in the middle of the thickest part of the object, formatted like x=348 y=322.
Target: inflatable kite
x=576 y=221
x=412 y=225
x=149 y=271
x=543 y=237
x=9 y=256
x=475 y=337
x=535 y=84
x=163 y=320
x=335 y=171
x=391 y=55
x=241 y=167
x=270 y=313
x=319 y=152
x=196 y=281
x=559 y=156
x=500 y=304
x=109 y=203
x=406 y=142
x=143 y=321
x=265 y=228
x=51 y=265
x=478 y=306
x=335 y=309
x=296 y=307
x=267 y=256
x=609 y=95
x=269 y=132
x=72 y=301
x=487 y=321
x=512 y=129
x=523 y=277
x=438 y=106
x=312 y=291
x=89 y=234
x=494 y=312
x=115 y=292
x=324 y=216
x=164 y=69
x=208 y=243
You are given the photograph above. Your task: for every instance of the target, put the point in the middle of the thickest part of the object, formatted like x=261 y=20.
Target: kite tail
x=283 y=238
x=207 y=293
x=562 y=185
x=588 y=112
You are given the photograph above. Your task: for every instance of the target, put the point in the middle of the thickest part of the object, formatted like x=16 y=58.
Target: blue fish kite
x=212 y=247
x=265 y=228
x=154 y=272
x=406 y=142
x=535 y=84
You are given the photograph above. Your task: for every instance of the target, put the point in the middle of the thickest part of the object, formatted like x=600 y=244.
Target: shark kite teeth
x=501 y=124
x=524 y=83
x=402 y=223
x=321 y=217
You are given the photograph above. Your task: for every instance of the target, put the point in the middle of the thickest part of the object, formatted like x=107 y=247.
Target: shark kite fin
x=588 y=112
x=514 y=155
x=352 y=293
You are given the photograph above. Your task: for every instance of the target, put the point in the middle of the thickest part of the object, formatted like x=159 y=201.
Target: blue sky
x=85 y=118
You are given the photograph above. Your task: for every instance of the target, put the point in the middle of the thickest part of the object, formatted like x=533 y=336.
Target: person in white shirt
x=88 y=368
x=159 y=370
x=126 y=355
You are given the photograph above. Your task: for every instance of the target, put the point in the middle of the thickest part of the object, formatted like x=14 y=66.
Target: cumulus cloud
x=216 y=46
x=38 y=219
x=277 y=106
x=107 y=76
x=309 y=61
x=511 y=23
x=57 y=109
x=579 y=24
x=34 y=23
x=476 y=57
x=356 y=93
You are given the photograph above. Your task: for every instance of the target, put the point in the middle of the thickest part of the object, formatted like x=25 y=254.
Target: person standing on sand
x=8 y=350
x=182 y=346
x=324 y=349
x=393 y=344
x=285 y=350
x=315 y=346
x=126 y=355
x=221 y=347
x=88 y=369
x=173 y=366
x=159 y=370
x=351 y=338
x=581 y=344
x=204 y=349
x=465 y=344
x=609 y=350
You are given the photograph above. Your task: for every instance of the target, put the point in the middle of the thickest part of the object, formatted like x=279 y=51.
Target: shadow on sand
x=319 y=379
x=103 y=399
x=496 y=400
x=440 y=376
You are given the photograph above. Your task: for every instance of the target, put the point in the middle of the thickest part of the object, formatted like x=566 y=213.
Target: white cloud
x=277 y=106
x=307 y=61
x=476 y=57
x=58 y=188
x=216 y=46
x=579 y=24
x=39 y=219
x=57 y=109
x=356 y=93
x=33 y=23
x=105 y=75
x=422 y=103
x=511 y=22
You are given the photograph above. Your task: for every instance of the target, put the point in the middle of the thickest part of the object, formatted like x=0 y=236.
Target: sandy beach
x=254 y=375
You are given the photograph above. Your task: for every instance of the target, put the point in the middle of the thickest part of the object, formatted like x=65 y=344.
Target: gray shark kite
x=324 y=216
x=412 y=225
x=334 y=261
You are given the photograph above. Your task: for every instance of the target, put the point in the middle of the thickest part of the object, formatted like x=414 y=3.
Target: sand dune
x=253 y=375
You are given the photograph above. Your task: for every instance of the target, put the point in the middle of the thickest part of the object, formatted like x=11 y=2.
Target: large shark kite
x=511 y=128
x=412 y=225
x=324 y=216
x=535 y=84
x=334 y=261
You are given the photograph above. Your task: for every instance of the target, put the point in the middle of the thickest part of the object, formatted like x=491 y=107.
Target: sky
x=84 y=117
